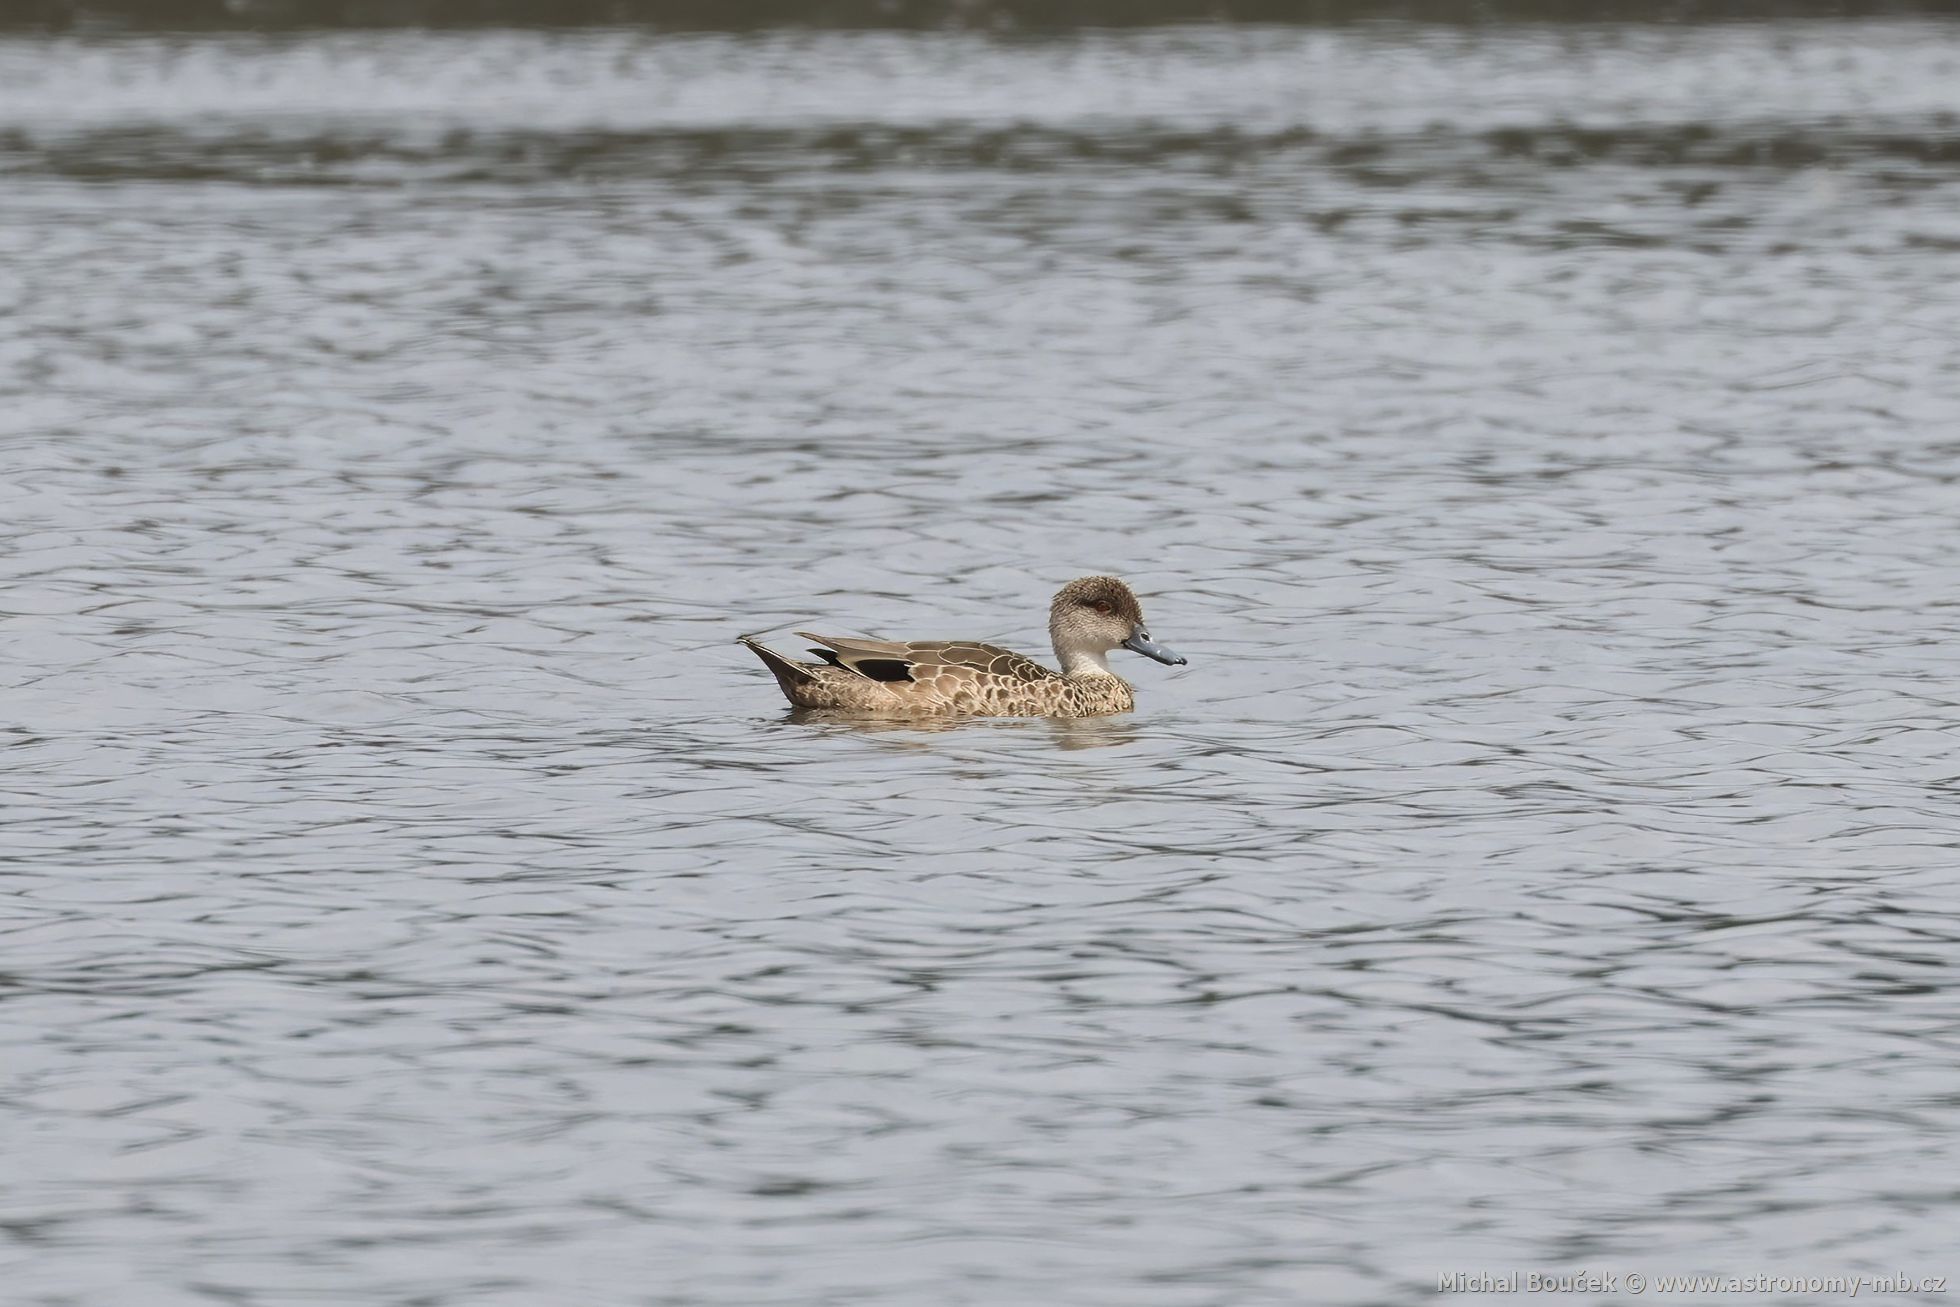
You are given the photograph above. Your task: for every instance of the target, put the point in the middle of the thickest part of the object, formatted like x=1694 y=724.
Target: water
x=1542 y=441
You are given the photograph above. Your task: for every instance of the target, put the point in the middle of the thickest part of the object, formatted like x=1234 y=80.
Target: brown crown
x=1093 y=590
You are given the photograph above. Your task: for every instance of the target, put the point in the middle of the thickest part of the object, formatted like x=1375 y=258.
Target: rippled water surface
x=1543 y=443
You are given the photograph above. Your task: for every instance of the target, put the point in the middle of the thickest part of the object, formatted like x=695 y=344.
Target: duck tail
x=789 y=673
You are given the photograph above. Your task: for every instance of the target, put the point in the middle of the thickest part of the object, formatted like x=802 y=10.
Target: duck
x=1089 y=618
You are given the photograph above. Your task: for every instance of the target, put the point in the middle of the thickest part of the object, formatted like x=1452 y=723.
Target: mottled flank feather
x=894 y=678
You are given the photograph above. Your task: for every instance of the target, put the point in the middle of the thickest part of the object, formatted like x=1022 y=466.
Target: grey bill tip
x=1143 y=644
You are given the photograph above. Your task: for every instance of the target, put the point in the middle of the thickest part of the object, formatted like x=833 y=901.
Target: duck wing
x=927 y=660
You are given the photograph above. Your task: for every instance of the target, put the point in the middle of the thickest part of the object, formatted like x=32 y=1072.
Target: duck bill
x=1149 y=648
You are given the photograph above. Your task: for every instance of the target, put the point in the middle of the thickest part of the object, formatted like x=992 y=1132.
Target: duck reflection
x=905 y=732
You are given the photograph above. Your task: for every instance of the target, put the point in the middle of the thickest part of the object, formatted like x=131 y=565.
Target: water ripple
x=414 y=896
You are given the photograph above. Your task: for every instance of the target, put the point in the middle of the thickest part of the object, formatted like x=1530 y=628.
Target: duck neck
x=1083 y=662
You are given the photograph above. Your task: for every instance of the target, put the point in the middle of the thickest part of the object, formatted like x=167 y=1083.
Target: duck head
x=1094 y=615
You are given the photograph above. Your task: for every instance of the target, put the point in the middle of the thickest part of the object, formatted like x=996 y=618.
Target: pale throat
x=1084 y=662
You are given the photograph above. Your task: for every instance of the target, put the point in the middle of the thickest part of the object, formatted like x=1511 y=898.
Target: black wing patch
x=873 y=669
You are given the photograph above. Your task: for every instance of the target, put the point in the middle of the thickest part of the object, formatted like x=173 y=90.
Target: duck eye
x=1102 y=607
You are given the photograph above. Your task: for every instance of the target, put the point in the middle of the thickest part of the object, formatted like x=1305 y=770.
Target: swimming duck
x=911 y=678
